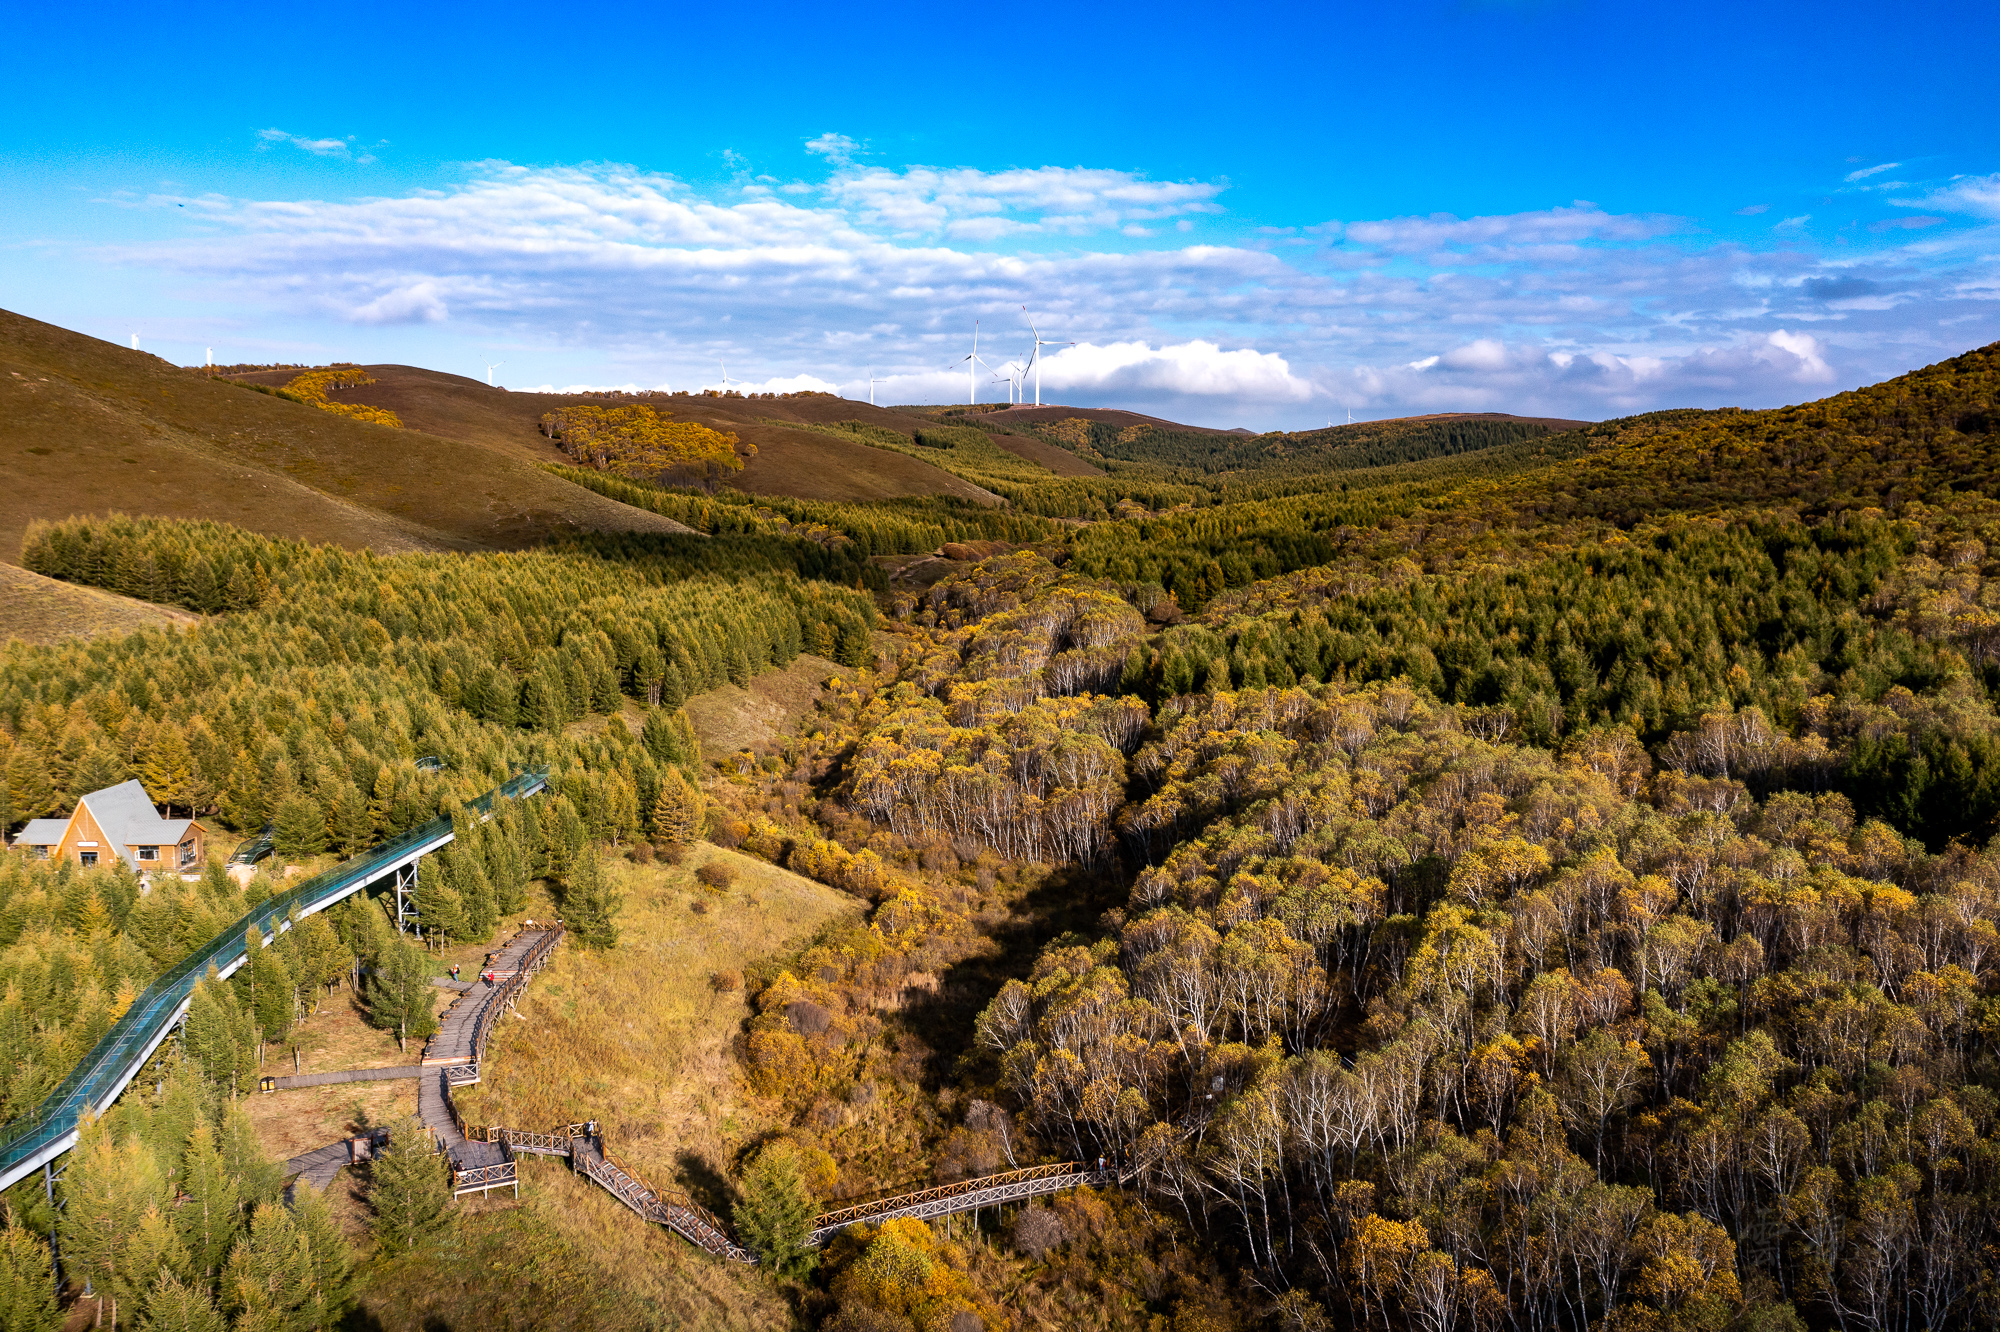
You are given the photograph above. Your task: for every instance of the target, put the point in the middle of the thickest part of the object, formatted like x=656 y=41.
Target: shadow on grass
x=1070 y=900
x=704 y=1183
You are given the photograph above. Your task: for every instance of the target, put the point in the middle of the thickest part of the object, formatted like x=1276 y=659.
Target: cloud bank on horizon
x=1173 y=306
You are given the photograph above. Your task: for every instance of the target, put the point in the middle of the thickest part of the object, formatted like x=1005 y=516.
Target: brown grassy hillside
x=803 y=464
x=1552 y=422
x=90 y=427
x=1028 y=415
x=34 y=609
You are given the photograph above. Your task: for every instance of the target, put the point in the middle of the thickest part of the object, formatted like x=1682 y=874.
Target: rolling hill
x=1022 y=414
x=91 y=427
x=798 y=463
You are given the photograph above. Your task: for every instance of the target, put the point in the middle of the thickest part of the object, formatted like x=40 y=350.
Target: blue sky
x=1259 y=216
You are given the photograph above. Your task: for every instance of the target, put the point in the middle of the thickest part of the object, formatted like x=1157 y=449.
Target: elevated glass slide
x=51 y=1128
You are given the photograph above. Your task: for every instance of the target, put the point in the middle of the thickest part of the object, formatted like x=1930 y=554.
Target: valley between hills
x=1452 y=872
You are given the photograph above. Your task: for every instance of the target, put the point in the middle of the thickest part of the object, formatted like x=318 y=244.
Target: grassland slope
x=640 y=1039
x=92 y=428
x=34 y=609
x=1923 y=437
x=1024 y=415
x=794 y=463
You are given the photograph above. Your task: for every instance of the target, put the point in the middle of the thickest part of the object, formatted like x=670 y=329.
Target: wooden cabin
x=118 y=821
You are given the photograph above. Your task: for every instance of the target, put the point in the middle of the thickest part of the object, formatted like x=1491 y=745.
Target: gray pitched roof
x=42 y=832
x=126 y=814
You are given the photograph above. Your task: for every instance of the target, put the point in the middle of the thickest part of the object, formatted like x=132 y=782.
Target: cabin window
x=41 y=853
x=187 y=852
x=88 y=858
x=149 y=853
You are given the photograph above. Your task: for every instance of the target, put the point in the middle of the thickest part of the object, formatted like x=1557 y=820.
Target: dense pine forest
x=1478 y=876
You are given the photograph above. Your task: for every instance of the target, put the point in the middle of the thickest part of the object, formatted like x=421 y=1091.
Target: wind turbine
x=726 y=381
x=1035 y=360
x=972 y=364
x=871 y=386
x=135 y=342
x=489 y=372
x=1015 y=370
x=211 y=356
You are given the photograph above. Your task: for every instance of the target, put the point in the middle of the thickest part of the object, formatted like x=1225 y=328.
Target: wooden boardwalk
x=387 y=1074
x=451 y=1058
x=315 y=1169
x=483 y=1158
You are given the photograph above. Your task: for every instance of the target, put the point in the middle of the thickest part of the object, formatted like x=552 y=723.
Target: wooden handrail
x=846 y=1216
x=584 y=1145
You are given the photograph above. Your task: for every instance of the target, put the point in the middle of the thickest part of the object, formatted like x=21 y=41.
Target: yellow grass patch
x=337 y=1037
x=638 y=1039
x=730 y=718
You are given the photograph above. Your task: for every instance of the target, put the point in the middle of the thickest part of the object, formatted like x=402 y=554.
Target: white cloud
x=1489 y=375
x=632 y=275
x=1072 y=200
x=835 y=148
x=1554 y=226
x=1807 y=362
x=1195 y=369
x=1979 y=195
x=340 y=148
x=1866 y=172
x=417 y=303
x=1485 y=354
x=780 y=384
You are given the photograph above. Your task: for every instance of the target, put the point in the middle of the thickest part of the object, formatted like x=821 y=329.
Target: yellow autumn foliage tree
x=904 y=1269
x=311 y=387
x=639 y=440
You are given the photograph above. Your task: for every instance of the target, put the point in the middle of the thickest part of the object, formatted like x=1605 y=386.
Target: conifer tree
x=533 y=840
x=439 y=905
x=539 y=710
x=99 y=768
x=776 y=1213
x=349 y=826
x=661 y=738
x=220 y=1035
x=243 y=797
x=29 y=791
x=264 y=987
x=183 y=1104
x=331 y=1263
x=173 y=1305
x=291 y=1270
x=268 y=1271
x=301 y=828
x=679 y=809
x=109 y=1191
x=211 y=1208
x=506 y=867
x=399 y=992
x=153 y=1253
x=410 y=1196
x=315 y=957
x=27 y=1283
x=258 y=1178
x=167 y=768
x=591 y=903
x=563 y=836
